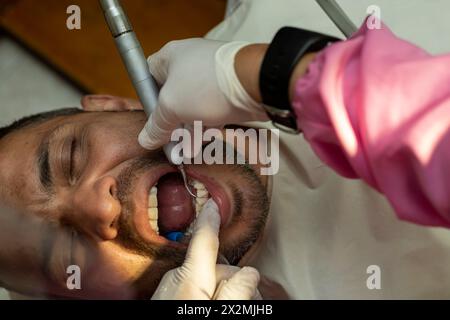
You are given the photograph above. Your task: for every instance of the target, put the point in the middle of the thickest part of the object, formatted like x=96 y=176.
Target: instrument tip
x=183 y=174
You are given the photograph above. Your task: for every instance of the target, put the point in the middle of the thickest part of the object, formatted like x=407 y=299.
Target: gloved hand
x=198 y=82
x=199 y=276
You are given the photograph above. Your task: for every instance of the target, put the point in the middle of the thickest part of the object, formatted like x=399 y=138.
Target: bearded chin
x=165 y=258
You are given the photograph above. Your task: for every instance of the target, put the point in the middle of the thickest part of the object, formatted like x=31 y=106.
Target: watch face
x=287 y=48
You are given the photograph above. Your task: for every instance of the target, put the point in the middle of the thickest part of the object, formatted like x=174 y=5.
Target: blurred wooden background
x=88 y=56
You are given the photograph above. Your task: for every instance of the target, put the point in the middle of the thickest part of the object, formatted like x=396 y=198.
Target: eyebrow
x=43 y=164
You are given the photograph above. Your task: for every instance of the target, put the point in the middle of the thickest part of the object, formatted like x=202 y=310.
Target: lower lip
x=218 y=194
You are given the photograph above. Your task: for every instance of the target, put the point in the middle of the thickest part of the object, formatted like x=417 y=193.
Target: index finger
x=202 y=253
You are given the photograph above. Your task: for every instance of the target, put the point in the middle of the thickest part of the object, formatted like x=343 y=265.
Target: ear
x=98 y=102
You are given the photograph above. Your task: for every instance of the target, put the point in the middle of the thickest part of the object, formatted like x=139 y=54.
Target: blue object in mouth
x=174 y=236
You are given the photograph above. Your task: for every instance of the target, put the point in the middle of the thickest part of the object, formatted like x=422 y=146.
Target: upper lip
x=150 y=179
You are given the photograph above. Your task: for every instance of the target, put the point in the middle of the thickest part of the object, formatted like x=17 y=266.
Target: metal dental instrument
x=183 y=174
x=338 y=16
x=133 y=57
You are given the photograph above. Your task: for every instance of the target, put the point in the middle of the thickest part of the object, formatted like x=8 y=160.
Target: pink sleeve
x=377 y=107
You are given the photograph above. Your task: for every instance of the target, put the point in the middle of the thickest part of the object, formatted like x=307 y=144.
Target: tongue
x=175 y=209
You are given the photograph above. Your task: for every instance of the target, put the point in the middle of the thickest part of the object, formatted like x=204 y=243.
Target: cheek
x=128 y=124
x=121 y=128
x=112 y=147
x=114 y=271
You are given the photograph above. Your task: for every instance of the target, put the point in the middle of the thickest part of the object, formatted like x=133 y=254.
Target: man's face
x=87 y=181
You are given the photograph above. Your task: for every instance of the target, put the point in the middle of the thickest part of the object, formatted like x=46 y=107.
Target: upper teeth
x=152 y=211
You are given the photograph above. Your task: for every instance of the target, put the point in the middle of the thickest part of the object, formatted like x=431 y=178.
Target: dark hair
x=36 y=119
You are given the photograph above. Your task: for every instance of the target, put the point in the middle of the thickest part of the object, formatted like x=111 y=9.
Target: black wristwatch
x=285 y=51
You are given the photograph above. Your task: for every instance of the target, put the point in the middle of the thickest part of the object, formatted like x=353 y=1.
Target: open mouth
x=163 y=205
x=170 y=206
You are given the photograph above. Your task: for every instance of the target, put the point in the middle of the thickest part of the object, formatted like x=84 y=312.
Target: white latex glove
x=199 y=276
x=198 y=82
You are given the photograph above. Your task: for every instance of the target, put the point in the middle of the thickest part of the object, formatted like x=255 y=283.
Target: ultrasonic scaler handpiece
x=134 y=59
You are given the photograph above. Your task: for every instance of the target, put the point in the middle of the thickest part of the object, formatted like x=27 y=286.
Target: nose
x=96 y=209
